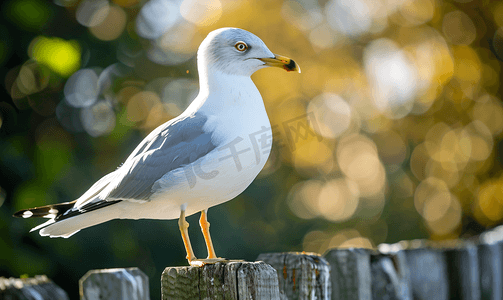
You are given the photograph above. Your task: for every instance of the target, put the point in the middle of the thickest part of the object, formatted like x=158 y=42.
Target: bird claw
x=206 y=261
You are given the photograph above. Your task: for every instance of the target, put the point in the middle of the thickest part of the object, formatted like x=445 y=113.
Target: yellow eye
x=241 y=46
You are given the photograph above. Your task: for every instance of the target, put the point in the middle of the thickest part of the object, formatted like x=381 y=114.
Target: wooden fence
x=419 y=269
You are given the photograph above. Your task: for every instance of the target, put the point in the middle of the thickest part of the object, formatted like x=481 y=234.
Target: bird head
x=238 y=52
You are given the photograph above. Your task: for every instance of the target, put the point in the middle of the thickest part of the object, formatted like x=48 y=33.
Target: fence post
x=350 y=273
x=231 y=280
x=429 y=276
x=125 y=284
x=463 y=269
x=491 y=264
x=390 y=276
x=301 y=275
x=401 y=269
x=36 y=288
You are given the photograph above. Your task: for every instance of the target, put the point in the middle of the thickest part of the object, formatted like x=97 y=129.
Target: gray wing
x=170 y=146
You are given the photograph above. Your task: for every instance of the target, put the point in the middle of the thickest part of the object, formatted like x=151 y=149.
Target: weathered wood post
x=231 y=280
x=463 y=271
x=390 y=275
x=125 y=284
x=490 y=252
x=350 y=273
x=428 y=270
x=444 y=270
x=301 y=275
x=367 y=274
x=37 y=288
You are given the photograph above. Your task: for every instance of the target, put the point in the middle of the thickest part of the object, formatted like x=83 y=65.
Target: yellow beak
x=281 y=62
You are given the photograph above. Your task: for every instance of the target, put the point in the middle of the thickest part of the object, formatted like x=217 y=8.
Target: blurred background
x=393 y=130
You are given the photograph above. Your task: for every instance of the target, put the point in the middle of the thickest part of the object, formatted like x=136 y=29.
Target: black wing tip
x=19 y=214
x=37 y=212
x=61 y=211
x=46 y=211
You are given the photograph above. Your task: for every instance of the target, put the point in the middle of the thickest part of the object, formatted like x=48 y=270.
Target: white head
x=236 y=51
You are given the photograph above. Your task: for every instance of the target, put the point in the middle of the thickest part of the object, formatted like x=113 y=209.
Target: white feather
x=67 y=227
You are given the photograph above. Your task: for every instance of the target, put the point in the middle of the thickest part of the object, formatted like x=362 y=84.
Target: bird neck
x=216 y=80
x=220 y=91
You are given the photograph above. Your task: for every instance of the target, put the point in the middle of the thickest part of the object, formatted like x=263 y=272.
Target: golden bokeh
x=338 y=200
x=392 y=131
x=458 y=28
x=112 y=26
x=202 y=13
x=489 y=208
x=303 y=197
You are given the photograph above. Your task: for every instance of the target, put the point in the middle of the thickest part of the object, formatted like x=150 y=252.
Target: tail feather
x=67 y=227
x=51 y=221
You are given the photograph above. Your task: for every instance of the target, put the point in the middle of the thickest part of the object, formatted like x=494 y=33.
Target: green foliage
x=30 y=15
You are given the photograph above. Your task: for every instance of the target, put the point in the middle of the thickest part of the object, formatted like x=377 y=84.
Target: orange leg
x=184 y=225
x=205 y=228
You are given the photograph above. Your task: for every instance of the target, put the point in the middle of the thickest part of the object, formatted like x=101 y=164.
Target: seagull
x=207 y=155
